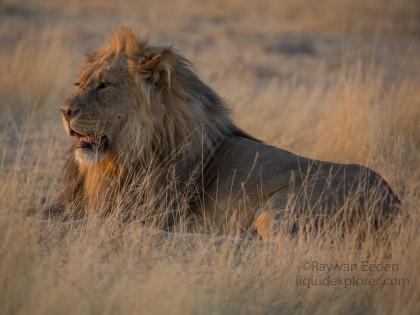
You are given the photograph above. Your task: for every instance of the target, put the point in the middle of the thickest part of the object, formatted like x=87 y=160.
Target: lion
x=149 y=134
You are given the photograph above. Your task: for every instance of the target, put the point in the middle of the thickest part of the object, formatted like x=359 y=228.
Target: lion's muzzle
x=91 y=144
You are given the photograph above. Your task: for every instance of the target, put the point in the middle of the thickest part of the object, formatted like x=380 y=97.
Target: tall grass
x=358 y=105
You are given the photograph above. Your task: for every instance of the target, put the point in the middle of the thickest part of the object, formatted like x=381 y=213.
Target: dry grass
x=333 y=81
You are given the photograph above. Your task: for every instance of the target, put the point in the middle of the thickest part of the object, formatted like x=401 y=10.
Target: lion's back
x=247 y=176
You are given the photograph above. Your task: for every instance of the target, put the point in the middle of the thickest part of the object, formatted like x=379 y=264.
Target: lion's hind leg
x=275 y=218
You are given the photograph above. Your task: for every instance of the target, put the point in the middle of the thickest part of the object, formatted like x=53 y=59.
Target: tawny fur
x=175 y=154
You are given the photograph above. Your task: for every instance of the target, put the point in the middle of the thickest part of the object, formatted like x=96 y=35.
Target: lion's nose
x=68 y=111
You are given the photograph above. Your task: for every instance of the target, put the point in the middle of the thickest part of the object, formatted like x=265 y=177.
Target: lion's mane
x=189 y=120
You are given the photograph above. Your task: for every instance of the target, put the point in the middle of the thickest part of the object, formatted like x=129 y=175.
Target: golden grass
x=354 y=98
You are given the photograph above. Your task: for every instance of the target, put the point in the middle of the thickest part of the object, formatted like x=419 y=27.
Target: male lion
x=153 y=140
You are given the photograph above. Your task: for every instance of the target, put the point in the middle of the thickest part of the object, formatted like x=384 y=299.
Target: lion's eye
x=76 y=83
x=101 y=86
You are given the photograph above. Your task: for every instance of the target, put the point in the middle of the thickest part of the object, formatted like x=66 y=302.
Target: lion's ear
x=156 y=67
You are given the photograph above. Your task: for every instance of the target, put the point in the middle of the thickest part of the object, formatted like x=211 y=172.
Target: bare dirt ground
x=333 y=80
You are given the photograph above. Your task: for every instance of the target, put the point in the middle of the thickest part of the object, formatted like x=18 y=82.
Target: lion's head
x=133 y=100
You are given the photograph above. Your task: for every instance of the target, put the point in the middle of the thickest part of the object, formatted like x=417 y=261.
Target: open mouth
x=92 y=143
